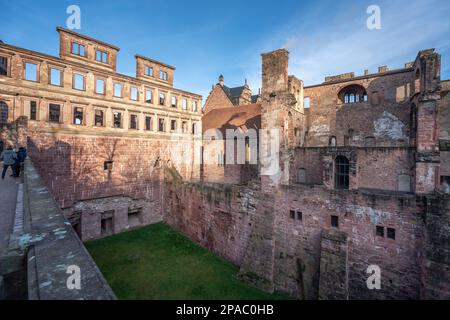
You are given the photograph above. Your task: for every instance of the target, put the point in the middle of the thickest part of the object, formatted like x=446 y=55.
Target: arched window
x=3 y=113
x=353 y=94
x=342 y=170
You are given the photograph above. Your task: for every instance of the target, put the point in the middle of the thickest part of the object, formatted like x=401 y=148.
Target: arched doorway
x=342 y=170
x=3 y=113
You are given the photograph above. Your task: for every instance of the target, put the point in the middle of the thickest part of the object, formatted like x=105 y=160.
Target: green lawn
x=156 y=262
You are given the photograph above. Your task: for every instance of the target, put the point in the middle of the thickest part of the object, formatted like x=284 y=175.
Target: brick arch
x=352 y=94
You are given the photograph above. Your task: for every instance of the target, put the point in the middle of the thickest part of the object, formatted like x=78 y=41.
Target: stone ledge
x=53 y=246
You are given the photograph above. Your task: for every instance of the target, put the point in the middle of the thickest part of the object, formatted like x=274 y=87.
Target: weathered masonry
x=362 y=175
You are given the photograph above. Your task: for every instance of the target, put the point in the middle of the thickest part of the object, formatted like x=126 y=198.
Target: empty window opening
x=108 y=165
x=184 y=126
x=247 y=150
x=149 y=71
x=194 y=106
x=306 y=102
x=101 y=56
x=100 y=86
x=55 y=77
x=342 y=173
x=174 y=102
x=149 y=96
x=332 y=141
x=380 y=231
x=335 y=221
x=299 y=215
x=133 y=121
x=134 y=217
x=78 y=82
x=3 y=66
x=391 y=233
x=184 y=104
x=3 y=113
x=292 y=214
x=78 y=116
x=173 y=125
x=194 y=128
x=107 y=223
x=163 y=75
x=33 y=110
x=78 y=49
x=118 y=90
x=54 y=112
x=162 y=99
x=98 y=118
x=148 y=123
x=117 y=119
x=353 y=94
x=161 y=125
x=134 y=94
x=31 y=73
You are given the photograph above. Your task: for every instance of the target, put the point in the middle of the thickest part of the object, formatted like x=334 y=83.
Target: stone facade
x=361 y=178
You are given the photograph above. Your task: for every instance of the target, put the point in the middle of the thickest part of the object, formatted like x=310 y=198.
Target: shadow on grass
x=157 y=262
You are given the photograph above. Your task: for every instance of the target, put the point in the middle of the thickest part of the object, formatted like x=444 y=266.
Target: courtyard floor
x=157 y=262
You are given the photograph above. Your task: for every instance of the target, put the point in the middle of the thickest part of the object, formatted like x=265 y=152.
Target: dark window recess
x=107 y=223
x=3 y=66
x=33 y=110
x=292 y=214
x=117 y=120
x=133 y=121
x=391 y=233
x=54 y=112
x=335 y=221
x=161 y=125
x=148 y=123
x=445 y=180
x=108 y=165
x=99 y=118
x=78 y=116
x=173 y=125
x=299 y=215
x=342 y=173
x=380 y=231
x=3 y=113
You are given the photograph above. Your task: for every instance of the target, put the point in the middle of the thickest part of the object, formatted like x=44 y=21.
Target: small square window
x=335 y=221
x=55 y=77
x=30 y=71
x=391 y=233
x=380 y=231
x=292 y=214
x=108 y=165
x=299 y=215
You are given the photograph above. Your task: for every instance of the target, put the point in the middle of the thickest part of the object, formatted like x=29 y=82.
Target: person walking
x=21 y=156
x=9 y=159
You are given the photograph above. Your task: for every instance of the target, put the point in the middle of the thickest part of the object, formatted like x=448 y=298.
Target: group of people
x=14 y=159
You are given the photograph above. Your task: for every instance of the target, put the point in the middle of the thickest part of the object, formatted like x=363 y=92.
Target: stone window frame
x=194 y=127
x=81 y=73
x=194 y=105
x=61 y=70
x=137 y=121
x=102 y=52
x=148 y=89
x=103 y=117
x=83 y=119
x=173 y=128
x=151 y=126
x=61 y=111
x=183 y=100
x=104 y=85
x=159 y=124
x=307 y=98
x=164 y=96
x=27 y=102
x=79 y=45
x=38 y=70
x=334 y=221
x=150 y=68
x=8 y=104
x=163 y=75
x=8 y=64
x=173 y=96
x=134 y=86
x=121 y=83
x=185 y=129
x=113 y=112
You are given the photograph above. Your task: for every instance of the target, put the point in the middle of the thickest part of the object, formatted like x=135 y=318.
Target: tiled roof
x=246 y=116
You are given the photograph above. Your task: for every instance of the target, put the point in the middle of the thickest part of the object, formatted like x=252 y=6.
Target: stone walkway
x=8 y=198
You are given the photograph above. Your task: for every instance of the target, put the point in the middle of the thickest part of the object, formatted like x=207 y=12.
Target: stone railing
x=55 y=256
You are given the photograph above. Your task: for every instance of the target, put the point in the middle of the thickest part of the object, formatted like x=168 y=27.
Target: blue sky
x=203 y=39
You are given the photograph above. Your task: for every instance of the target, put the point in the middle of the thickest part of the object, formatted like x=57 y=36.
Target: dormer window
x=163 y=75
x=78 y=49
x=101 y=56
x=149 y=71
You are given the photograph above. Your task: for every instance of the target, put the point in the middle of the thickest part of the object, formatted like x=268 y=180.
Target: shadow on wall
x=79 y=168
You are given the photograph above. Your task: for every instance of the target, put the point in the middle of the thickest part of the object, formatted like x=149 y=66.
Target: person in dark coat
x=9 y=158
x=21 y=156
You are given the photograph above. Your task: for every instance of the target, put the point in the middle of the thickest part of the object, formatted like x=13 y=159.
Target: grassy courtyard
x=156 y=262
